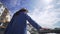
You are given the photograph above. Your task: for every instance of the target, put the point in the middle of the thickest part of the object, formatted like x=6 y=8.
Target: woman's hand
x=44 y=29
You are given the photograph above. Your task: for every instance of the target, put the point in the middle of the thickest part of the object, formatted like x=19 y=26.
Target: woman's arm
x=32 y=22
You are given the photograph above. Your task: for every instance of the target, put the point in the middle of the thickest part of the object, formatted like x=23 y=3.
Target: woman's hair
x=21 y=10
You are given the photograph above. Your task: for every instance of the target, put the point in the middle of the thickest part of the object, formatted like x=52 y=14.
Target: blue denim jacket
x=18 y=24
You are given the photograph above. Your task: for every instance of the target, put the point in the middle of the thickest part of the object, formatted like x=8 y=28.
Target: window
x=0 y=5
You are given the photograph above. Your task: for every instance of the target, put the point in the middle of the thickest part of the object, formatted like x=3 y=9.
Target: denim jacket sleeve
x=32 y=22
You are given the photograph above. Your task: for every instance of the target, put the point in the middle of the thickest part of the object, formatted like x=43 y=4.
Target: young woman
x=18 y=23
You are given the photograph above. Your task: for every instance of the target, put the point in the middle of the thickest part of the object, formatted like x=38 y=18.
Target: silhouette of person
x=18 y=23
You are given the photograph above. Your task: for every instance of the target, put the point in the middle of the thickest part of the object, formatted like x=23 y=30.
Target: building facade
x=4 y=15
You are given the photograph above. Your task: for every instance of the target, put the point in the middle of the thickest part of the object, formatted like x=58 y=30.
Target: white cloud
x=58 y=2
x=49 y=7
x=44 y=18
x=13 y=3
x=47 y=1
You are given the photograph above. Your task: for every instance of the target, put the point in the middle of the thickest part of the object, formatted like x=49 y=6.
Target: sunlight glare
x=47 y=1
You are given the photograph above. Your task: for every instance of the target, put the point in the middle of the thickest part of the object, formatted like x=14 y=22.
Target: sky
x=45 y=12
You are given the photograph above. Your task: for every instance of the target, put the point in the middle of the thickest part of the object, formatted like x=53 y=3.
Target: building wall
x=1 y=8
x=4 y=15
